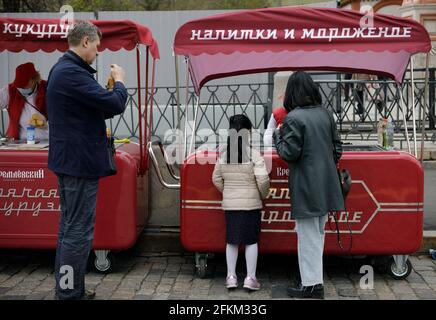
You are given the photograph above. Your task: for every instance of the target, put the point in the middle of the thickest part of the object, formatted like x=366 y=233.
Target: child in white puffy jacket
x=240 y=174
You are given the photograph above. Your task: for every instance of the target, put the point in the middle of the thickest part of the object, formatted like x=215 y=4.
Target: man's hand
x=118 y=73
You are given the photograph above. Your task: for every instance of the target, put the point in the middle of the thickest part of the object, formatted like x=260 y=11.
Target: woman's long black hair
x=301 y=91
x=239 y=133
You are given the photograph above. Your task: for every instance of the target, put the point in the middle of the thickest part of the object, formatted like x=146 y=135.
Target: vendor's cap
x=23 y=74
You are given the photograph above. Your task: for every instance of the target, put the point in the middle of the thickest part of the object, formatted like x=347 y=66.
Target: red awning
x=18 y=34
x=293 y=38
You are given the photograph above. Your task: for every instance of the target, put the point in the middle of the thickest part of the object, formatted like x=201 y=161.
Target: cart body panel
x=384 y=207
x=30 y=206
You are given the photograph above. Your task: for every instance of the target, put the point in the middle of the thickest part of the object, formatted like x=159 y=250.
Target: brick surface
x=168 y=276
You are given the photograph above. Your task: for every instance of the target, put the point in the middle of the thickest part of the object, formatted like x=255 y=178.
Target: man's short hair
x=83 y=29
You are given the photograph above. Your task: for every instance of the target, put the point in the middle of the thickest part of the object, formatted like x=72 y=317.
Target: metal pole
x=415 y=147
x=147 y=133
x=141 y=159
x=176 y=60
x=153 y=70
x=197 y=106
x=404 y=117
x=421 y=157
x=431 y=99
x=185 y=144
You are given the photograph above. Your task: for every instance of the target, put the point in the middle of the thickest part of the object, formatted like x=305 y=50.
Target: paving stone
x=166 y=280
x=425 y=294
x=402 y=290
x=164 y=277
x=153 y=277
x=430 y=280
x=13 y=297
x=163 y=296
x=368 y=297
x=143 y=297
x=50 y=295
x=134 y=284
x=170 y=274
x=427 y=273
x=347 y=292
x=163 y=288
x=386 y=296
x=36 y=296
x=123 y=294
x=217 y=290
x=184 y=278
x=422 y=286
x=279 y=291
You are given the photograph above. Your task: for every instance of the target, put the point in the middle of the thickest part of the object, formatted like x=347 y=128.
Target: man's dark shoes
x=308 y=292
x=89 y=295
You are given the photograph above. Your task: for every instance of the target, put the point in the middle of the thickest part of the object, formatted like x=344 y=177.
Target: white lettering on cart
x=274 y=193
x=289 y=33
x=350 y=217
x=307 y=33
x=22 y=174
x=243 y=34
x=281 y=172
x=30 y=202
x=276 y=216
x=27 y=193
x=41 y=30
x=35 y=208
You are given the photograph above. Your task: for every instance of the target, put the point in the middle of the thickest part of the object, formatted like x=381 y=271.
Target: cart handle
x=157 y=141
x=158 y=172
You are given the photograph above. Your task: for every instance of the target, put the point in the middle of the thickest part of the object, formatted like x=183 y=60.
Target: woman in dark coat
x=309 y=142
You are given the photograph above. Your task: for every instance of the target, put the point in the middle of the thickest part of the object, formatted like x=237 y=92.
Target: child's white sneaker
x=251 y=284
x=231 y=282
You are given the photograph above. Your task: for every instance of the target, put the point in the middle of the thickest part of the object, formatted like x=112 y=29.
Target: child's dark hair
x=239 y=130
x=301 y=91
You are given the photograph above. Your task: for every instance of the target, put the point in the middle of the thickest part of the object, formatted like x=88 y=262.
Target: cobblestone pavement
x=29 y=275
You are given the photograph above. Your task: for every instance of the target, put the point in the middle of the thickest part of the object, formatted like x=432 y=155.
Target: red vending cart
x=385 y=206
x=29 y=199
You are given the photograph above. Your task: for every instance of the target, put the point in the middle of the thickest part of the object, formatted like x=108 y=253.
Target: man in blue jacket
x=78 y=155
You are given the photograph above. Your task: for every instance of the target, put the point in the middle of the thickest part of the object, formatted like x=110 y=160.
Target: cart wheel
x=201 y=264
x=104 y=261
x=397 y=273
x=201 y=268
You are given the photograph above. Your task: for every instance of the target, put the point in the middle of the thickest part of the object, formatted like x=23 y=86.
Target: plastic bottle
x=390 y=135
x=381 y=131
x=30 y=134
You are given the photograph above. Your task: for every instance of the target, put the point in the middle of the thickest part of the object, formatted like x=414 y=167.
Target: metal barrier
x=357 y=106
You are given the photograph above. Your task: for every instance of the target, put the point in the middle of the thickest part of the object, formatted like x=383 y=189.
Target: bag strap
x=333 y=214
